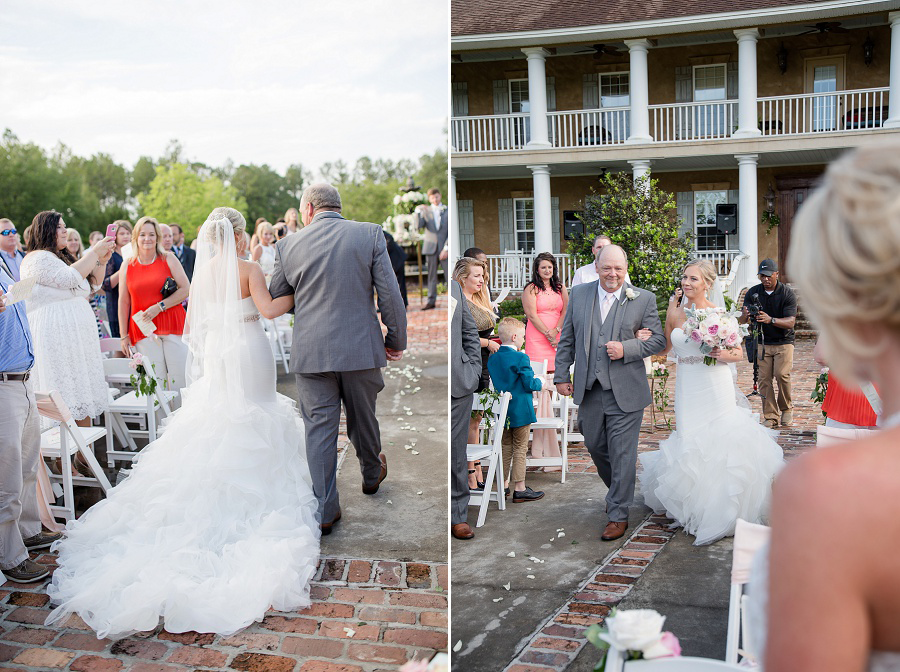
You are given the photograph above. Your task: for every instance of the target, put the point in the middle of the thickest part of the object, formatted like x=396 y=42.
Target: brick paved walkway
x=367 y=615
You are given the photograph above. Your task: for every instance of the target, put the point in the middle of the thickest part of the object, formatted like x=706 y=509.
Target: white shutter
x=733 y=241
x=466 y=213
x=460 y=99
x=507 y=222
x=554 y=222
x=684 y=204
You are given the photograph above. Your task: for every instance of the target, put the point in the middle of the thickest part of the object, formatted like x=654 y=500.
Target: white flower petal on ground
x=350 y=632
x=414 y=452
x=432 y=429
x=457 y=647
x=507 y=586
x=511 y=554
x=419 y=492
x=561 y=534
x=497 y=599
x=530 y=576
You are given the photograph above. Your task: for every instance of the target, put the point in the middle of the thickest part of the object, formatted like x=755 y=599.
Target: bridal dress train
x=719 y=464
x=215 y=523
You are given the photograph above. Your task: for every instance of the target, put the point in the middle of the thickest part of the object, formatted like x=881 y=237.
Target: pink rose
x=732 y=340
x=696 y=336
x=713 y=329
x=667 y=646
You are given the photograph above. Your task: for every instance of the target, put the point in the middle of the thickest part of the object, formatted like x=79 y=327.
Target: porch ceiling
x=675 y=157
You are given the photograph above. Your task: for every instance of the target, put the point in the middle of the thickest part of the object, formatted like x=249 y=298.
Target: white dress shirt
x=602 y=295
x=436 y=213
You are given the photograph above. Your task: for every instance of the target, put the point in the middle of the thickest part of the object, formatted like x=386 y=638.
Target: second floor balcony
x=802 y=114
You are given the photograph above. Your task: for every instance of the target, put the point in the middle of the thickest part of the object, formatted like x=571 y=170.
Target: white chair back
x=748 y=539
x=110 y=345
x=829 y=436
x=492 y=452
x=680 y=664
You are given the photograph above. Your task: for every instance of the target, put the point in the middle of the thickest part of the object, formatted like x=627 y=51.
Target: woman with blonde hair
x=470 y=274
x=264 y=252
x=153 y=282
x=831 y=569
x=292 y=221
x=719 y=464
x=73 y=243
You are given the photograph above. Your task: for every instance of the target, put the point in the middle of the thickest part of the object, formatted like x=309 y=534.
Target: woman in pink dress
x=544 y=299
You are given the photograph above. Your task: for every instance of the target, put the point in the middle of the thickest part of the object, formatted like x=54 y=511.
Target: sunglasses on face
x=8 y=232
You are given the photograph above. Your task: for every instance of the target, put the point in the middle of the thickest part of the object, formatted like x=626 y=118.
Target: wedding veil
x=215 y=332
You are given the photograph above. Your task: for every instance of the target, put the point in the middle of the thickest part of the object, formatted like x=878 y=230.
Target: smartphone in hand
x=111 y=231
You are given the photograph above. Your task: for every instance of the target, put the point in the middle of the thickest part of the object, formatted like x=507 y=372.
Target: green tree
x=639 y=217
x=30 y=184
x=178 y=195
x=266 y=192
x=433 y=172
x=368 y=201
x=142 y=175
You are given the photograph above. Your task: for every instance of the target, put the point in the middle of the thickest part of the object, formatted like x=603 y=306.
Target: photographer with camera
x=772 y=305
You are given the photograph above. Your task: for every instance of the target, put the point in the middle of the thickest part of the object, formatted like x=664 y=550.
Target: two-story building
x=741 y=101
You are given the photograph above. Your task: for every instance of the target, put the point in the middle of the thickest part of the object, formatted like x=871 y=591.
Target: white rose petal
x=414 y=452
x=390 y=502
x=561 y=534
x=349 y=632
x=497 y=599
x=457 y=647
x=419 y=492
x=511 y=554
x=530 y=576
x=432 y=429
x=506 y=587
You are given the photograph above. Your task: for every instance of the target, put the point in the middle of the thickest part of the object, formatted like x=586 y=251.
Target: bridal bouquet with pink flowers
x=713 y=328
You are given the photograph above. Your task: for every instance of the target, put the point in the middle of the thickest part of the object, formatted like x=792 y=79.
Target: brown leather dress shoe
x=326 y=527
x=431 y=305
x=372 y=489
x=614 y=530
x=462 y=531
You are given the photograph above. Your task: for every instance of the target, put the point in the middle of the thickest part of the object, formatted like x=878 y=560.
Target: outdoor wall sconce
x=869 y=50
x=770 y=197
x=781 y=55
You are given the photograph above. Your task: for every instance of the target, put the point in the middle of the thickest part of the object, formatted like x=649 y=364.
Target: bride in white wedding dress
x=216 y=522
x=719 y=464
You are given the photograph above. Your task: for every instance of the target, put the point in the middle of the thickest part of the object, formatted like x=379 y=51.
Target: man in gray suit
x=334 y=267
x=432 y=219
x=599 y=336
x=465 y=372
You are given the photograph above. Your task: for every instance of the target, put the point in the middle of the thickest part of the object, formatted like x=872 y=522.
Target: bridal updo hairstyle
x=707 y=271
x=845 y=254
x=238 y=223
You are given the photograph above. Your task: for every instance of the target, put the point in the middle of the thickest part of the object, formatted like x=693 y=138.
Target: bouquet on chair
x=636 y=633
x=713 y=328
x=142 y=380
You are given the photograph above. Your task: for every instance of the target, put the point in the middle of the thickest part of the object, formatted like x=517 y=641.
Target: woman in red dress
x=140 y=289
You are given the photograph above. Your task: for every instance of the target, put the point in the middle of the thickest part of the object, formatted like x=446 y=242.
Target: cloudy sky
x=256 y=81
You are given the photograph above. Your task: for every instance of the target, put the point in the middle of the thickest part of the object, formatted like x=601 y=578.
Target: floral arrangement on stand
x=487 y=399
x=637 y=633
x=141 y=380
x=402 y=224
x=713 y=328
x=818 y=393
x=660 y=375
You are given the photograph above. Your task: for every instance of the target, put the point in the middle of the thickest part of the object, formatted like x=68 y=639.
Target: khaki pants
x=20 y=442
x=515 y=448
x=776 y=366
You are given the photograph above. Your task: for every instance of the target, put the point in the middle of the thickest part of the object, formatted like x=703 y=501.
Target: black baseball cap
x=767 y=267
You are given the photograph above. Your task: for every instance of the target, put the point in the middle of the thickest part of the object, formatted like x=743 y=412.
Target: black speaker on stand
x=571 y=224
x=727 y=218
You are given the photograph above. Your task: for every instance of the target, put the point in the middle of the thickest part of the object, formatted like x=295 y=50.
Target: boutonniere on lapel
x=630 y=295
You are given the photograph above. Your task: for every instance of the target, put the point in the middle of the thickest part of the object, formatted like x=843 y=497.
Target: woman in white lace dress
x=66 y=344
x=834 y=585
x=719 y=464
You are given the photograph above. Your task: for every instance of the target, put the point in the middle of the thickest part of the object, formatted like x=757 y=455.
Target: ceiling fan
x=599 y=50
x=826 y=27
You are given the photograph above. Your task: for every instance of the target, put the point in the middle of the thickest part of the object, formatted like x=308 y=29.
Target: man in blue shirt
x=10 y=256
x=20 y=440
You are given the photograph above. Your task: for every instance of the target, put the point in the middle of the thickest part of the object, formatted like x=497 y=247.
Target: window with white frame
x=709 y=84
x=518 y=104
x=707 y=235
x=524 y=221
x=615 y=92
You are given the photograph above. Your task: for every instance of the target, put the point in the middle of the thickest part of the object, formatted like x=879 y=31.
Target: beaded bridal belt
x=690 y=360
x=251 y=318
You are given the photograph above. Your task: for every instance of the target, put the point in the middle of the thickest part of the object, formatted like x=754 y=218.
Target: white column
x=543 y=210
x=455 y=251
x=640 y=168
x=640 y=91
x=537 y=95
x=893 y=120
x=748 y=220
x=747 y=126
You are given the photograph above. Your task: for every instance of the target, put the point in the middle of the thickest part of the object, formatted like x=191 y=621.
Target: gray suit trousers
x=320 y=397
x=460 y=412
x=433 y=262
x=611 y=436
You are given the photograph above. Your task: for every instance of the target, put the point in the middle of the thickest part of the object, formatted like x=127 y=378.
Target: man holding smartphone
x=777 y=314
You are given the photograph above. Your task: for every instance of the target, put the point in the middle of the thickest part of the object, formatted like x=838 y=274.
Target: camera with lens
x=753 y=307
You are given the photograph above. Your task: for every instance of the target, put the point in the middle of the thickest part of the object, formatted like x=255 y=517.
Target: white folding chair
x=278 y=350
x=615 y=662
x=559 y=424
x=62 y=441
x=108 y=346
x=828 y=436
x=145 y=412
x=491 y=452
x=748 y=539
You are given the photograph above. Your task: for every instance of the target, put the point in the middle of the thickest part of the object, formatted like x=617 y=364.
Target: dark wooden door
x=792 y=193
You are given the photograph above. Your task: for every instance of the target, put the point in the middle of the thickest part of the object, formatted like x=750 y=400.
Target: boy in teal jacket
x=511 y=372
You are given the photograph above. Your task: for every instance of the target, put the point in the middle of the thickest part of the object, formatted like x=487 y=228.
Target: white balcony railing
x=677 y=122
x=494 y=133
x=721 y=259
x=589 y=128
x=513 y=270
x=810 y=113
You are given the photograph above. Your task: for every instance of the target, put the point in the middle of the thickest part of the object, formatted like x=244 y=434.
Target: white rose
x=635 y=629
x=397 y=199
x=629 y=294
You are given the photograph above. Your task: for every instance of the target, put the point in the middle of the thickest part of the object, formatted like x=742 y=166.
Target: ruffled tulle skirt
x=214 y=525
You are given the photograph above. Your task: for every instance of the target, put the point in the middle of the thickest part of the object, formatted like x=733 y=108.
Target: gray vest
x=600 y=334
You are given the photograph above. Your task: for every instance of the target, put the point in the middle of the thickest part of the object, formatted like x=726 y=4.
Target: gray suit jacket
x=627 y=375
x=333 y=267
x=465 y=348
x=434 y=239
